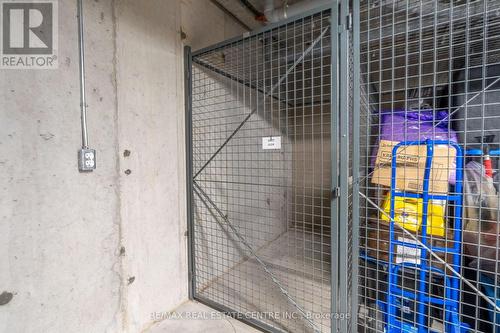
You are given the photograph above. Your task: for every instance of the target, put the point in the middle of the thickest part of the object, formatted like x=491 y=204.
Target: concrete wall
x=99 y=252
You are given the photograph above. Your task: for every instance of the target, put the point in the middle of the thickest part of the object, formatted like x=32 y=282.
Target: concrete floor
x=301 y=262
x=183 y=320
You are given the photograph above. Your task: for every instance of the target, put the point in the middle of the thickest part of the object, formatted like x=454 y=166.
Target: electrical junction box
x=86 y=160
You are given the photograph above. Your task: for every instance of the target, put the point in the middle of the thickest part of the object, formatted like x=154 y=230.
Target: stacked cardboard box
x=410 y=167
x=377 y=245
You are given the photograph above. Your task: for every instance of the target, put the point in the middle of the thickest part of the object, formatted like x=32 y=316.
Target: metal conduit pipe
x=83 y=100
x=274 y=14
x=86 y=156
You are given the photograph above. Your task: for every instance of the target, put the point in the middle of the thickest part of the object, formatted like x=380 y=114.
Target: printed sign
x=271 y=142
x=407 y=253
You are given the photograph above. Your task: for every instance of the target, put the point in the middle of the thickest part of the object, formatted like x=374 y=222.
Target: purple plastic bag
x=415 y=125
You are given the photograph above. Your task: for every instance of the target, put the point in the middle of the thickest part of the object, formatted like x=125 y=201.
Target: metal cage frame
x=344 y=38
x=442 y=51
x=348 y=186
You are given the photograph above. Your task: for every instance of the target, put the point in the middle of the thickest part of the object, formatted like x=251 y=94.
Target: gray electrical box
x=86 y=160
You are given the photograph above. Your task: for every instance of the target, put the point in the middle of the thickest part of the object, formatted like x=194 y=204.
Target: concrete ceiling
x=242 y=13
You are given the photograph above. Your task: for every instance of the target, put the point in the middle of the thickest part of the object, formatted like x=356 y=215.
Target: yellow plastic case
x=408 y=214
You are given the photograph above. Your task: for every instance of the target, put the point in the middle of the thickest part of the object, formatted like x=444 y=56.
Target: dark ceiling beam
x=259 y=16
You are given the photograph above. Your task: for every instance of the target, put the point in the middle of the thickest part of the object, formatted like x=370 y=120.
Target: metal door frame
x=343 y=26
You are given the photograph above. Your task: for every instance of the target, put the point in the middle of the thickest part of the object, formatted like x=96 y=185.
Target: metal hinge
x=336 y=192
x=347 y=26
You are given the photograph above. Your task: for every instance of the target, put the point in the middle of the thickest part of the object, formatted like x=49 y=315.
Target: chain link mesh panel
x=429 y=250
x=261 y=176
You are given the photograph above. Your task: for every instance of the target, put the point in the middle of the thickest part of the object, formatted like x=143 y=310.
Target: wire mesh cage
x=413 y=235
x=261 y=119
x=429 y=181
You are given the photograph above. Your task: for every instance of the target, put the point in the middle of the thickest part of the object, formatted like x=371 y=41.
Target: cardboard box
x=377 y=244
x=410 y=167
